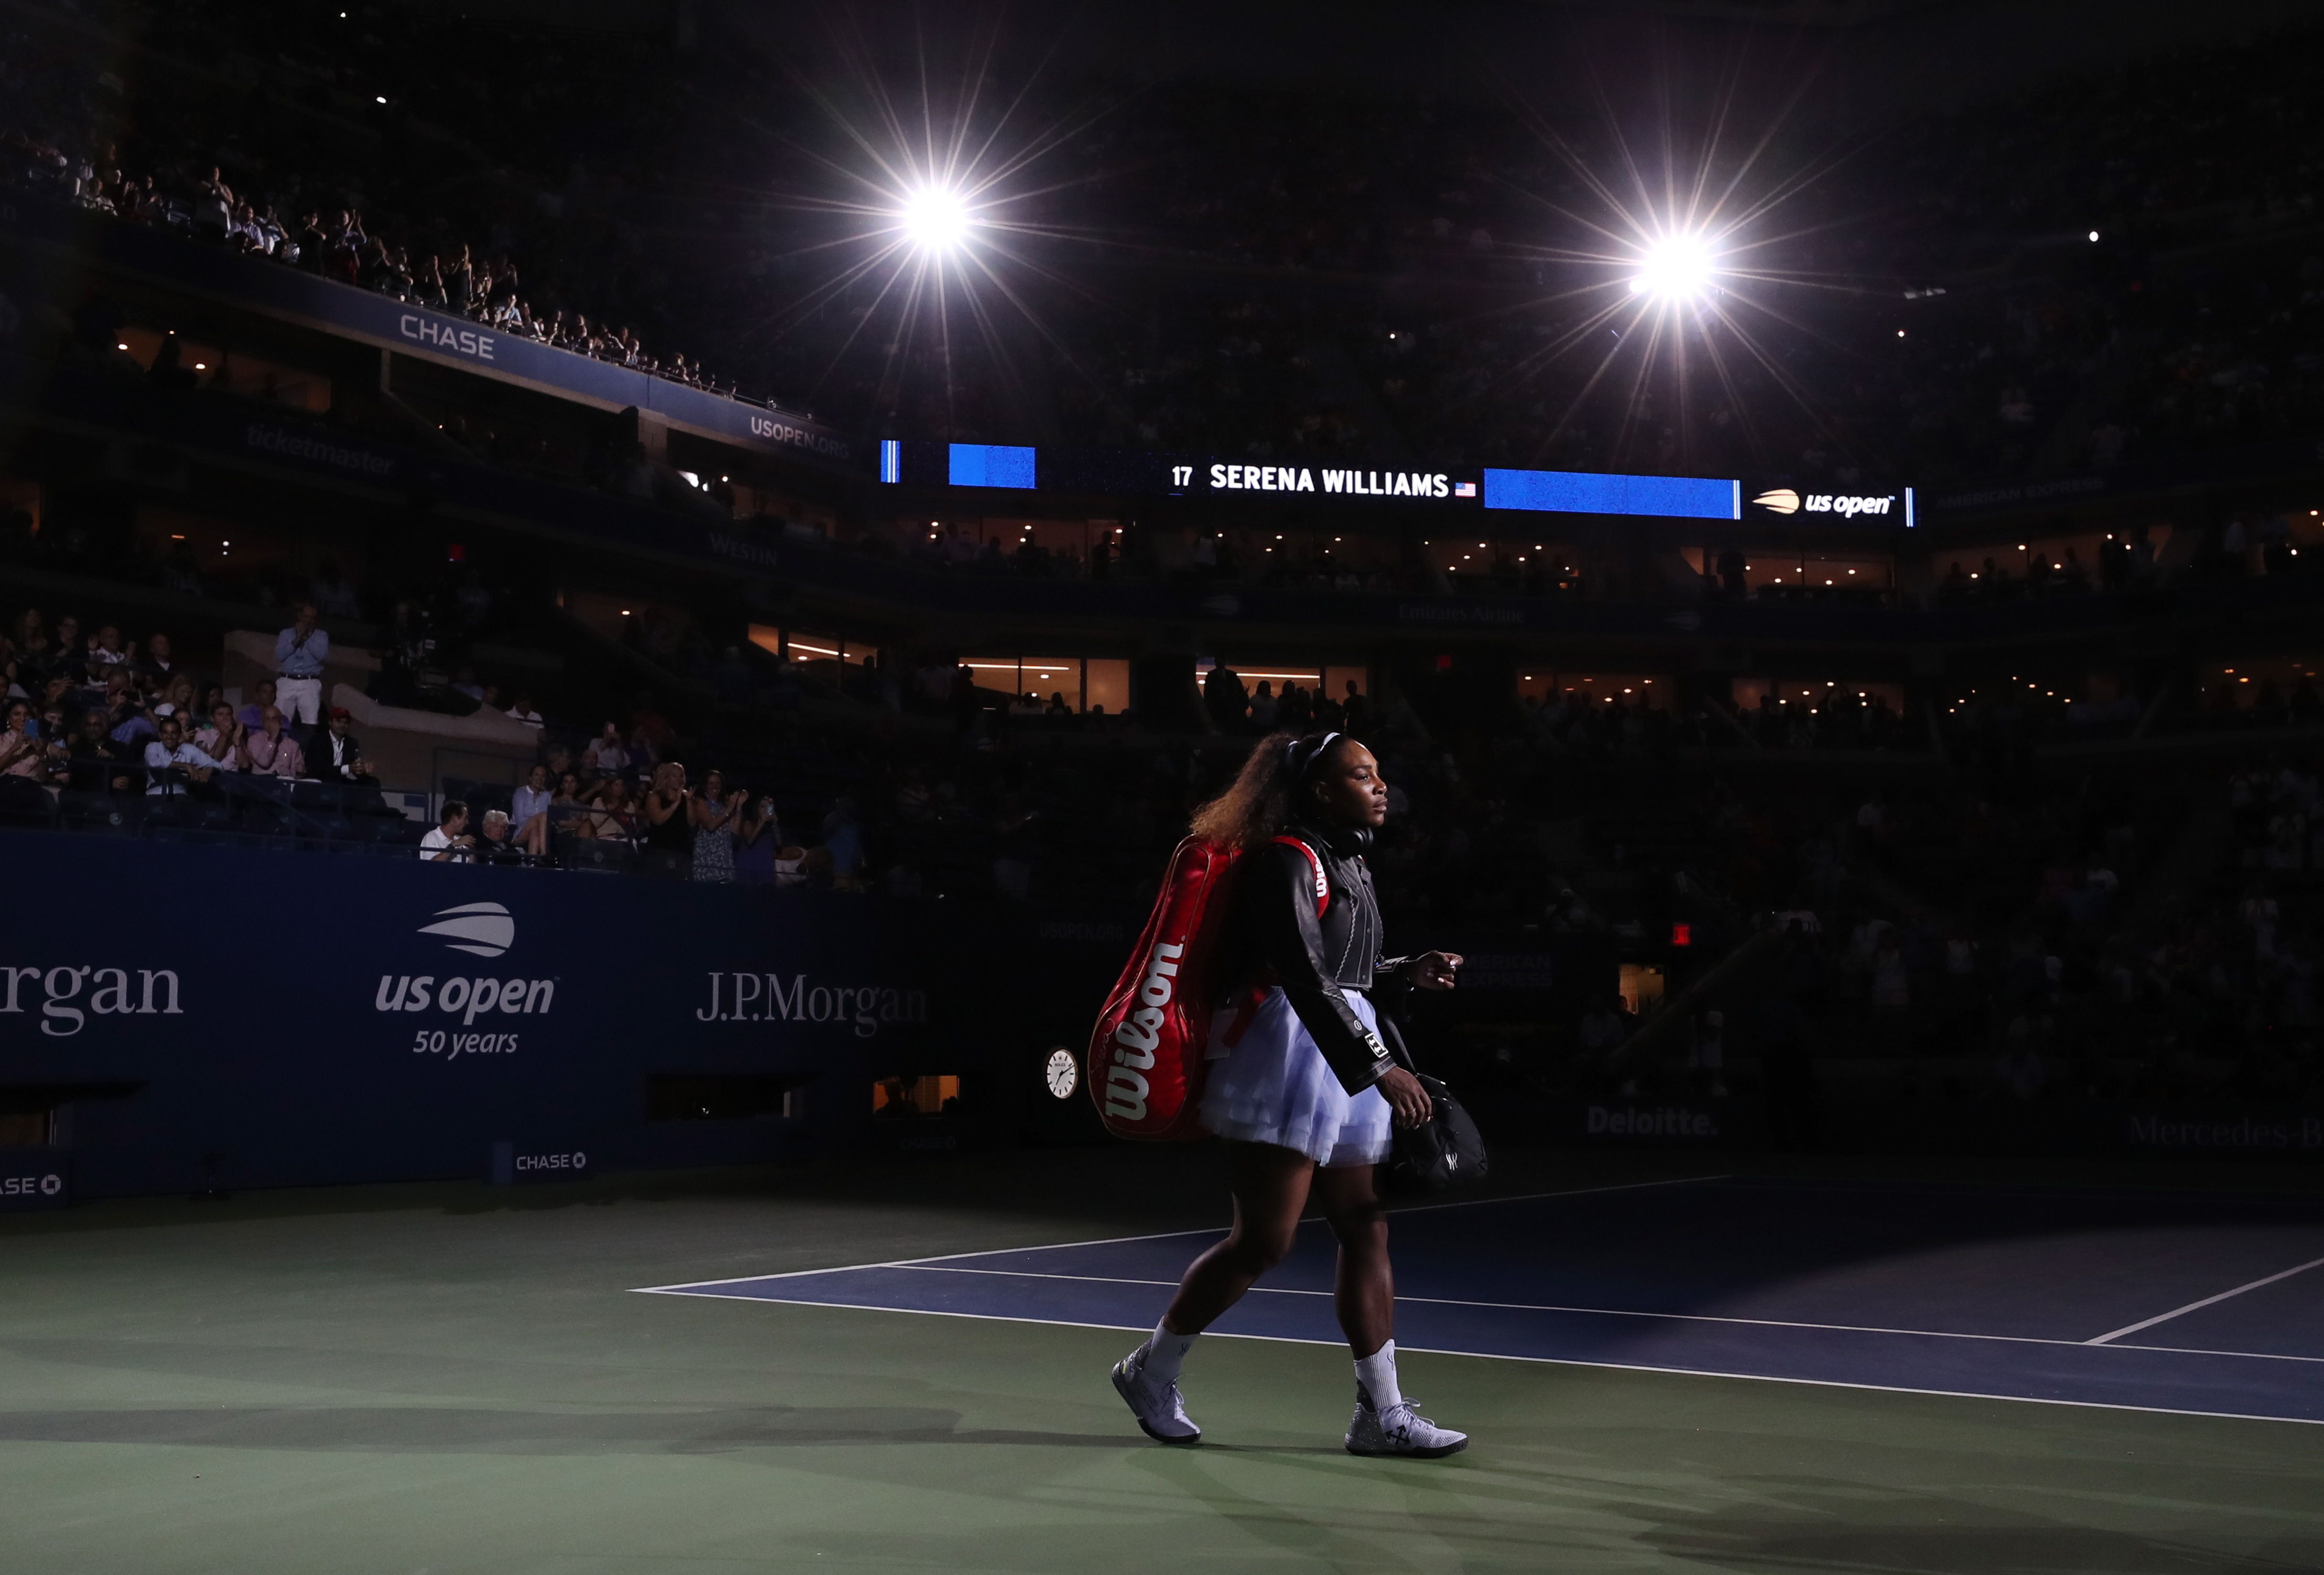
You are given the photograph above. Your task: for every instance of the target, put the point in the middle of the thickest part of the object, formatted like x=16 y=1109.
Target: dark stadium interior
x=1936 y=806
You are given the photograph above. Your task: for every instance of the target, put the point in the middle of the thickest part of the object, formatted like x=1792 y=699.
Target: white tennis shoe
x=1401 y=1430
x=1159 y=1408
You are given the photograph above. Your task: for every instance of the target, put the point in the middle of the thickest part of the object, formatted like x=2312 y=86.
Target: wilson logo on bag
x=1146 y=1056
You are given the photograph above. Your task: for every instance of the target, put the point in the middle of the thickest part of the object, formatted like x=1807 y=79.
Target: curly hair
x=1257 y=802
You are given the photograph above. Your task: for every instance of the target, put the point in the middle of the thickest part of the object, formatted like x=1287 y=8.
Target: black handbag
x=1444 y=1151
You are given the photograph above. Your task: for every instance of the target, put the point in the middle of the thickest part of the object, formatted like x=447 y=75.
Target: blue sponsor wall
x=212 y=1017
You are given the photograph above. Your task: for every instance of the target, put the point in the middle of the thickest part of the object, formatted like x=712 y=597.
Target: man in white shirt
x=172 y=763
x=449 y=843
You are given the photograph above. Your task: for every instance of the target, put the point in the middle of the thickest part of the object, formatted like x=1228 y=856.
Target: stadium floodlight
x=935 y=219
x=1677 y=266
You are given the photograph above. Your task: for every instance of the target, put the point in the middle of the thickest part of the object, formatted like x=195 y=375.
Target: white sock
x=1375 y=1378
x=1165 y=1352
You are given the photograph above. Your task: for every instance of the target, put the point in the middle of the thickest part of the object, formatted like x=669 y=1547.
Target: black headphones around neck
x=1346 y=841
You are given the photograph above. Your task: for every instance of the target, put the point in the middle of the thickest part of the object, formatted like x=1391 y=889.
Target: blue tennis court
x=2197 y=1303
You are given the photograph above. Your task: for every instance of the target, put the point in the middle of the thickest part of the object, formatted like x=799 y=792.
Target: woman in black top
x=1301 y=1086
x=668 y=827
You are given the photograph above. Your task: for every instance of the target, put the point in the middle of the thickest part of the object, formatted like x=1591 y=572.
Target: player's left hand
x=1436 y=970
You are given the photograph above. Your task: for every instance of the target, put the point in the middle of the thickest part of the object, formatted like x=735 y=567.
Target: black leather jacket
x=1317 y=962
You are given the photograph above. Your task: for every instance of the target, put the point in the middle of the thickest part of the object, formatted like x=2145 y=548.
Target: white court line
x=2205 y=1302
x=1164 y=1235
x=1560 y=1362
x=2257 y=1355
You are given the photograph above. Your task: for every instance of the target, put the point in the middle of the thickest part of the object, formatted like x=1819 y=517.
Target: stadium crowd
x=2008 y=942
x=2089 y=942
x=1343 y=294
x=303 y=215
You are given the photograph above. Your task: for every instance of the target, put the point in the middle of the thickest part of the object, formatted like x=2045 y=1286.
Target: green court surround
x=454 y=1378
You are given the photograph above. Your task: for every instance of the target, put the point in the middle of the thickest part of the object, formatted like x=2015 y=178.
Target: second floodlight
x=1675 y=267
x=936 y=218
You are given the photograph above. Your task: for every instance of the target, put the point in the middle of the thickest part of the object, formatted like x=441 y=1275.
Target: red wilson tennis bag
x=1145 y=1067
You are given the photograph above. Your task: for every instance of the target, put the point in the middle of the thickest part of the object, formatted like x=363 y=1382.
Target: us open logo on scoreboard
x=1887 y=507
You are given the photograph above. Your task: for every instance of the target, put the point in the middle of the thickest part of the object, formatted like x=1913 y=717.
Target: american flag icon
x=1464 y=489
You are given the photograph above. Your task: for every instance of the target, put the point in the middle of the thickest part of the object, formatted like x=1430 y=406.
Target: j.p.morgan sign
x=771 y=997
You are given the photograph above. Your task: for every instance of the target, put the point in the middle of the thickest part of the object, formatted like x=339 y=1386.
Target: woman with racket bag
x=1292 y=1071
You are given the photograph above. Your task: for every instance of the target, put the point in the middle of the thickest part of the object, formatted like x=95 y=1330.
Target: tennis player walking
x=1301 y=1087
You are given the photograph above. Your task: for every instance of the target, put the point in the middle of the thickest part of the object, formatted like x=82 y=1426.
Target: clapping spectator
x=719 y=823
x=173 y=764
x=272 y=752
x=54 y=744
x=21 y=754
x=668 y=828
x=222 y=739
x=301 y=652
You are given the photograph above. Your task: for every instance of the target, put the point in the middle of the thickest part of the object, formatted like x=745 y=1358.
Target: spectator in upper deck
x=253 y=714
x=222 y=738
x=301 y=652
x=606 y=755
x=338 y=757
x=173 y=764
x=96 y=764
x=449 y=843
x=273 y=752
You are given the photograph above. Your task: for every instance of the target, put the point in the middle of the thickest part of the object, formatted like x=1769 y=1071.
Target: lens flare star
x=1673 y=264
x=936 y=218
x=1675 y=268
x=918 y=214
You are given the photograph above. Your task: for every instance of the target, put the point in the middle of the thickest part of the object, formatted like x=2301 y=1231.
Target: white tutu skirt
x=1273 y=1086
